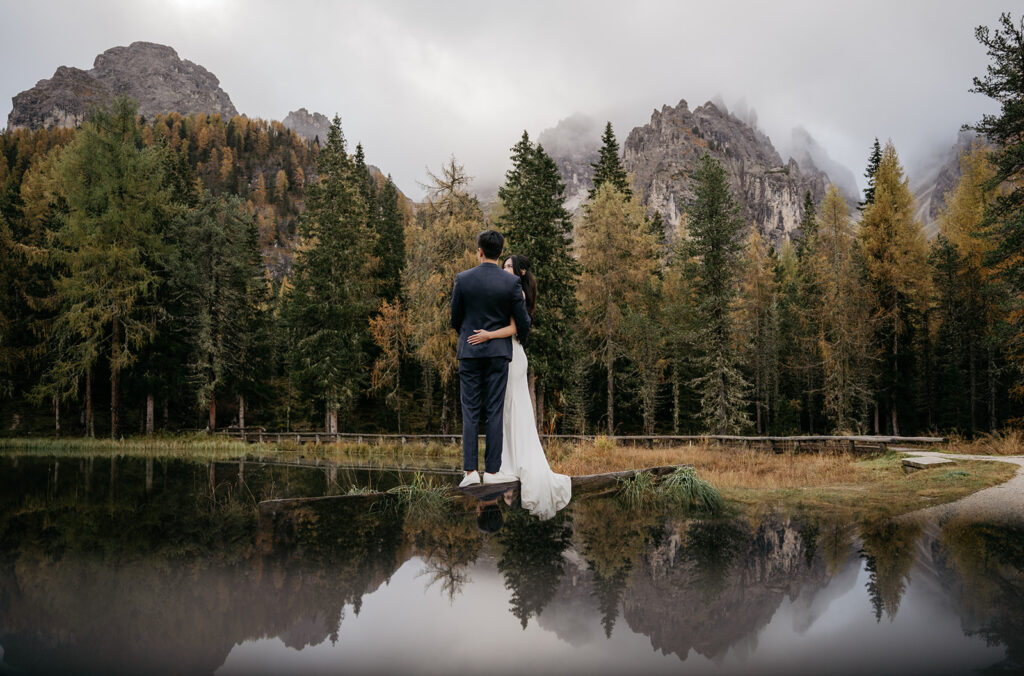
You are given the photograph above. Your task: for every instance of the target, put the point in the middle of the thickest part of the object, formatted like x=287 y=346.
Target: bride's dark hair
x=521 y=266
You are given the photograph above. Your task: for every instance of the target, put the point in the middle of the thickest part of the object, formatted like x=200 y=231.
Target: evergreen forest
x=191 y=272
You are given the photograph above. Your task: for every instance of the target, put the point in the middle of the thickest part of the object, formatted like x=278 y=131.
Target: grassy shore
x=1008 y=442
x=751 y=480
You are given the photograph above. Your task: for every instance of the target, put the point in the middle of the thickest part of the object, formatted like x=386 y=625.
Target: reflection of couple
x=491 y=309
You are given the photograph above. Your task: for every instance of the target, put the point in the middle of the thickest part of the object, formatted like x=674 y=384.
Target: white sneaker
x=471 y=479
x=499 y=478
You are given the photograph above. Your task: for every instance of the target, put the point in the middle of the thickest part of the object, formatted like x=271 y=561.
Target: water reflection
x=128 y=566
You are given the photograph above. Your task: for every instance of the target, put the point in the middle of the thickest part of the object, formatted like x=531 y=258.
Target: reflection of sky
x=403 y=627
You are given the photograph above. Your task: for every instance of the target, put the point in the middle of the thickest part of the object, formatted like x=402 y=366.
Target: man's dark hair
x=490 y=519
x=491 y=243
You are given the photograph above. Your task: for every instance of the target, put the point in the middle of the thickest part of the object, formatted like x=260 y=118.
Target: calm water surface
x=166 y=566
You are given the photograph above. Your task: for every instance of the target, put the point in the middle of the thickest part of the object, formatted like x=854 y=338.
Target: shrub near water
x=423 y=497
x=685 y=489
x=680 y=489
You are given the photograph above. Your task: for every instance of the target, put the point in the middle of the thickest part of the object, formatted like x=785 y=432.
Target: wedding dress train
x=542 y=492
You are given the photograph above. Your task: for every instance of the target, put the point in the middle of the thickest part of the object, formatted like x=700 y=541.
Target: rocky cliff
x=573 y=144
x=308 y=125
x=937 y=180
x=151 y=74
x=663 y=154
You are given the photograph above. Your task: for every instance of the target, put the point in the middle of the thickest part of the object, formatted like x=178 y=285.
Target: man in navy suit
x=485 y=297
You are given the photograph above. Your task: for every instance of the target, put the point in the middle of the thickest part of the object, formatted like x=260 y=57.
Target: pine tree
x=873 y=162
x=617 y=255
x=226 y=299
x=536 y=225
x=108 y=244
x=898 y=283
x=390 y=250
x=608 y=168
x=801 y=321
x=333 y=295
x=808 y=226
x=796 y=314
x=1004 y=216
x=645 y=344
x=970 y=293
x=715 y=245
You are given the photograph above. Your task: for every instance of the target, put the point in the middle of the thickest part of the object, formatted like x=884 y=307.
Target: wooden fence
x=779 y=444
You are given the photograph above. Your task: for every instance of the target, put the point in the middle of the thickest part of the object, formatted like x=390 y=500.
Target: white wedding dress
x=542 y=492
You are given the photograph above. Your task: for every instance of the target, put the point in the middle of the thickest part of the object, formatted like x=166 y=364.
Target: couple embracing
x=492 y=310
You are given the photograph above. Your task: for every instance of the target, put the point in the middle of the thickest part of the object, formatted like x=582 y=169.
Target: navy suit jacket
x=485 y=297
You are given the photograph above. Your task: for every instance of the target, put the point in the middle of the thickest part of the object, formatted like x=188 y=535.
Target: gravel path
x=1002 y=504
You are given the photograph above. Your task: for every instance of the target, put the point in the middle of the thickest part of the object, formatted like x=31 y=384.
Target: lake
x=111 y=566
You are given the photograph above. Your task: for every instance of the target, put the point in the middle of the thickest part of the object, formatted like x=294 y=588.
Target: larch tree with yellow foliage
x=759 y=319
x=441 y=244
x=843 y=323
x=617 y=254
x=895 y=259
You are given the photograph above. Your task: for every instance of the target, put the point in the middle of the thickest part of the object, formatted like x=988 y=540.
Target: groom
x=485 y=297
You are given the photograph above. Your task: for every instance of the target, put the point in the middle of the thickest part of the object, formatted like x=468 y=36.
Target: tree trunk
x=241 y=411
x=877 y=420
x=332 y=420
x=115 y=378
x=56 y=415
x=398 y=410
x=972 y=369
x=428 y=393
x=444 y=409
x=90 y=423
x=675 y=402
x=895 y=422
x=610 y=366
x=991 y=390
x=213 y=412
x=167 y=414
x=150 y=403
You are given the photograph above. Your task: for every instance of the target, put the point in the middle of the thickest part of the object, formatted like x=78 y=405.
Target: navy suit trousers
x=483 y=382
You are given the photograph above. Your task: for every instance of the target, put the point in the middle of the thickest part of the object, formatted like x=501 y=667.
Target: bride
x=542 y=492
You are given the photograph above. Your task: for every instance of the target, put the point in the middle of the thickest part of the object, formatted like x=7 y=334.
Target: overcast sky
x=416 y=81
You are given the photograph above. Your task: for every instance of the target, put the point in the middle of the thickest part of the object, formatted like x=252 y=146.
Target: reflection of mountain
x=99 y=577
x=711 y=586
x=116 y=567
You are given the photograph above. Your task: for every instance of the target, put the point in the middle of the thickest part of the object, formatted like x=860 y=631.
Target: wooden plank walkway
x=588 y=484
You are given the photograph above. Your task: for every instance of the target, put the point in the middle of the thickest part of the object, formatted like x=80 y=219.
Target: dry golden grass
x=1006 y=442
x=725 y=467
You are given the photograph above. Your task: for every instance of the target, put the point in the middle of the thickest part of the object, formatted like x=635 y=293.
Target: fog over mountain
x=417 y=82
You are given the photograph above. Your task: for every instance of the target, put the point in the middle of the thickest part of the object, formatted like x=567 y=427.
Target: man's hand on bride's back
x=479 y=336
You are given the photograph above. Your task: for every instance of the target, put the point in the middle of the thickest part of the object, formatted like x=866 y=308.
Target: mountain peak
x=151 y=73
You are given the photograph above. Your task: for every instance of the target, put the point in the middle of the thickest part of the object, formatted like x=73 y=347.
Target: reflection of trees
x=613 y=538
x=164 y=568
x=531 y=559
x=888 y=551
x=990 y=561
x=449 y=543
x=835 y=543
x=713 y=546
